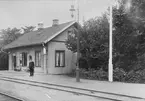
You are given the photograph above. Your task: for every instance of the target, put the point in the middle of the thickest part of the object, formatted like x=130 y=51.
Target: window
x=38 y=58
x=71 y=33
x=24 y=59
x=20 y=58
x=59 y=58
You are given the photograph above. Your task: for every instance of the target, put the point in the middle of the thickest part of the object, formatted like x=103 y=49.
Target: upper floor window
x=71 y=33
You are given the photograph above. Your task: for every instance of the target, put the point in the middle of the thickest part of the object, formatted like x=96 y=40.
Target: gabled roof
x=39 y=36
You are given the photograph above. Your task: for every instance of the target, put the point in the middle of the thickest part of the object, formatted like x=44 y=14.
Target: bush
x=119 y=74
x=91 y=74
x=101 y=75
x=129 y=77
x=135 y=76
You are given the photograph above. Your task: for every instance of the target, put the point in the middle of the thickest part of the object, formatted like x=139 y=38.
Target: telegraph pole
x=110 y=69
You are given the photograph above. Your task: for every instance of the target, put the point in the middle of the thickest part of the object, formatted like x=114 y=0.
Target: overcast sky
x=19 y=13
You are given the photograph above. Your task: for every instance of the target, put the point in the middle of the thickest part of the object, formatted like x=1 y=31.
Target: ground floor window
x=23 y=61
x=37 y=58
x=59 y=58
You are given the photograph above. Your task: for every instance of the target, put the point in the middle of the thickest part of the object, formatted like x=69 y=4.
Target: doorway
x=14 y=62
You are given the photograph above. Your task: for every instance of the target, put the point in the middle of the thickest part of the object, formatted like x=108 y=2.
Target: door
x=14 y=62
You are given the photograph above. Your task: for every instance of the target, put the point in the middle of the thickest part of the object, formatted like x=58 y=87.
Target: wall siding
x=30 y=51
x=56 y=44
x=70 y=58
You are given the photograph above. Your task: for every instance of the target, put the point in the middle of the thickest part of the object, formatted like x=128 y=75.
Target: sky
x=20 y=13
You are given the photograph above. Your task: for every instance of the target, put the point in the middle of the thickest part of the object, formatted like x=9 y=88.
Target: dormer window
x=71 y=33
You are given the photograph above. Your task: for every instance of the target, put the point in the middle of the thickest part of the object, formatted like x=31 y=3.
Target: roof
x=39 y=36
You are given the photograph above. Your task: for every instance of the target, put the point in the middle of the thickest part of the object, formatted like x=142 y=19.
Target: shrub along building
x=47 y=48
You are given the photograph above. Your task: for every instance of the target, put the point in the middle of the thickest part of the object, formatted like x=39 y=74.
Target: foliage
x=135 y=76
x=91 y=74
x=9 y=35
x=128 y=43
x=118 y=74
x=128 y=34
x=93 y=40
x=128 y=37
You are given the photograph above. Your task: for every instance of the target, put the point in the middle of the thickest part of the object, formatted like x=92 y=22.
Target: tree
x=93 y=41
x=28 y=29
x=9 y=35
x=129 y=33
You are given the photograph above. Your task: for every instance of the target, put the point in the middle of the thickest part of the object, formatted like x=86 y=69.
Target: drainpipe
x=44 y=58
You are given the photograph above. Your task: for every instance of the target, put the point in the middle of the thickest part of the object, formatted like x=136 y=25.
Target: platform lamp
x=72 y=9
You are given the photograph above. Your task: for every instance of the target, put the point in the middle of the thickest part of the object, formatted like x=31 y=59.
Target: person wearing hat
x=31 y=66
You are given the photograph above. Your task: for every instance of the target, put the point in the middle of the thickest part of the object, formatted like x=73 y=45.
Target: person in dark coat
x=31 y=66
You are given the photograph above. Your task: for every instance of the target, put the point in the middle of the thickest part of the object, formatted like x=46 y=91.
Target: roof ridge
x=53 y=32
x=60 y=24
x=37 y=30
x=50 y=27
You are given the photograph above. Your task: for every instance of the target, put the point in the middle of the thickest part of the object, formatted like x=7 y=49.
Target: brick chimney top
x=55 y=22
x=40 y=26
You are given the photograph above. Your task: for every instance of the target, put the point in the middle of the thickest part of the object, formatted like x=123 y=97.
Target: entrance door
x=14 y=62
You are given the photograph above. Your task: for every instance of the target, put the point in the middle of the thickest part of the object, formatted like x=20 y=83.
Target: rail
x=75 y=90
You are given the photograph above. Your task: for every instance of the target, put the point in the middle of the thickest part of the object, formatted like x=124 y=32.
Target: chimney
x=55 y=22
x=40 y=26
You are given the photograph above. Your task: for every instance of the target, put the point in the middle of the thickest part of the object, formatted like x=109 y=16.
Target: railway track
x=7 y=97
x=75 y=90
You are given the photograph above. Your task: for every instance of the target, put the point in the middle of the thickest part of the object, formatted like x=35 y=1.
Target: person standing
x=31 y=66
